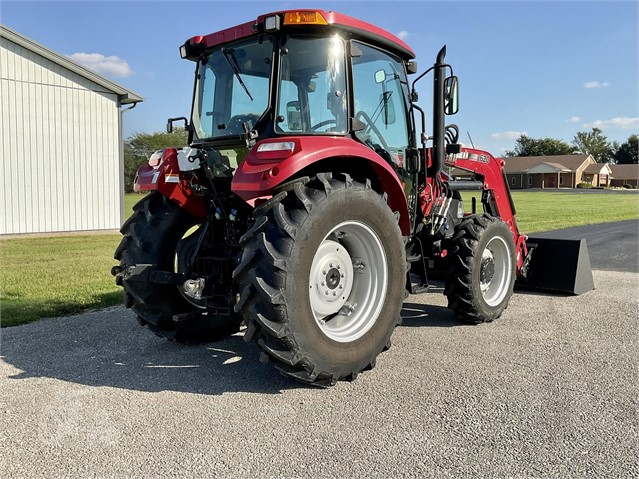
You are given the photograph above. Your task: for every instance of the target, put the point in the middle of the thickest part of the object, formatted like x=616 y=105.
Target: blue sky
x=544 y=68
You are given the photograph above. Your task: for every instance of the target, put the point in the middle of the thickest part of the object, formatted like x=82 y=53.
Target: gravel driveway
x=549 y=390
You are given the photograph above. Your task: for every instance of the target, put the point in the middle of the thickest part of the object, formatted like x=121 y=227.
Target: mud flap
x=558 y=265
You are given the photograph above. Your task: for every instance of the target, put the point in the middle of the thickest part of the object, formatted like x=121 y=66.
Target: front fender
x=264 y=169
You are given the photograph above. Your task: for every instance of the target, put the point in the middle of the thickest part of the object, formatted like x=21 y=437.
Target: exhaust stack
x=439 y=116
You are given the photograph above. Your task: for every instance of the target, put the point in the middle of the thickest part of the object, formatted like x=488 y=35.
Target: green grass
x=58 y=274
x=542 y=211
x=129 y=200
x=65 y=274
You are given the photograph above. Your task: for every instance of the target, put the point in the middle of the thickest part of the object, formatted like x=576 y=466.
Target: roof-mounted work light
x=272 y=23
x=192 y=48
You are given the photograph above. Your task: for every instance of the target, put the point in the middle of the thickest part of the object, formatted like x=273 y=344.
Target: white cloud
x=596 y=84
x=508 y=135
x=403 y=35
x=623 y=123
x=573 y=119
x=110 y=65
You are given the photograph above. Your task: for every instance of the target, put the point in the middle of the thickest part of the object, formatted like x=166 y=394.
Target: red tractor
x=308 y=196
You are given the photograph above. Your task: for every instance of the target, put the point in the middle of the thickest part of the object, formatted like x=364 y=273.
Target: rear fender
x=264 y=169
x=162 y=173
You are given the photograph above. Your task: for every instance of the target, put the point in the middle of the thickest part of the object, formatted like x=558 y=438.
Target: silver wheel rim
x=495 y=271
x=348 y=281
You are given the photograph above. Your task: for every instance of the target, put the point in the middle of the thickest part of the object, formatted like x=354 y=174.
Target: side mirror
x=169 y=123
x=451 y=95
x=413 y=160
x=294 y=116
x=411 y=67
x=380 y=76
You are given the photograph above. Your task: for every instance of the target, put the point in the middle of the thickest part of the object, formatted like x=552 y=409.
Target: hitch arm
x=146 y=273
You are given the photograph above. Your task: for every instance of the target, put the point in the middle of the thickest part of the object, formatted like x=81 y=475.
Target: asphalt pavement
x=611 y=246
x=548 y=390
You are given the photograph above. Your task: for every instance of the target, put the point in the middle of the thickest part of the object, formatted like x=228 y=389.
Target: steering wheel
x=370 y=125
x=236 y=122
x=332 y=121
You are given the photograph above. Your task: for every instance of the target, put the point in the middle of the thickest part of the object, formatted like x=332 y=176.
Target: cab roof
x=357 y=28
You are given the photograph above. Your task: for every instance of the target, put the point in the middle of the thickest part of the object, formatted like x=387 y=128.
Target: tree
x=628 y=152
x=594 y=143
x=526 y=146
x=140 y=146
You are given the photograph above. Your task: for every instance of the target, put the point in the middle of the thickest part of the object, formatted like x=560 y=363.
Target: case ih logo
x=464 y=155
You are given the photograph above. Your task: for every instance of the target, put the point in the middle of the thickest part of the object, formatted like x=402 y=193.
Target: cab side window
x=380 y=89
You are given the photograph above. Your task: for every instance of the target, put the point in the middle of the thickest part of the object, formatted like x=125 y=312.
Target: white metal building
x=61 y=157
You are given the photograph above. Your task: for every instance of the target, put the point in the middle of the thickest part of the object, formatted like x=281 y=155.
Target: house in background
x=598 y=174
x=61 y=156
x=562 y=171
x=625 y=175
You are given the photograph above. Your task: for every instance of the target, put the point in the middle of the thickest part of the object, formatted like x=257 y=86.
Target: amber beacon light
x=304 y=18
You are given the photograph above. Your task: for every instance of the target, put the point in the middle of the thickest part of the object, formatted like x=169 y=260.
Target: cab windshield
x=232 y=88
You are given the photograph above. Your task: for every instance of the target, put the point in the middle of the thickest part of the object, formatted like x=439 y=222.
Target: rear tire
x=151 y=236
x=481 y=275
x=322 y=279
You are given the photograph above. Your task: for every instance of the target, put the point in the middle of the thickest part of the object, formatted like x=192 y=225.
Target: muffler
x=557 y=265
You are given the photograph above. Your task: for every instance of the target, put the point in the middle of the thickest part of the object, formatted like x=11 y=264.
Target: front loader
x=308 y=200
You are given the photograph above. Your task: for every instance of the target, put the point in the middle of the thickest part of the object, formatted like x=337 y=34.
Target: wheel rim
x=495 y=271
x=348 y=281
x=184 y=252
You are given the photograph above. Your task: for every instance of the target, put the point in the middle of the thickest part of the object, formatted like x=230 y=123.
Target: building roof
x=597 y=169
x=125 y=95
x=547 y=167
x=458 y=172
x=522 y=164
x=625 y=172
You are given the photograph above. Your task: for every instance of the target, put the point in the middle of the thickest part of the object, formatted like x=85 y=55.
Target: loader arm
x=557 y=265
x=496 y=193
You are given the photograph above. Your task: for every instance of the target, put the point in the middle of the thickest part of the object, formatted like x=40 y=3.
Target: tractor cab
x=301 y=73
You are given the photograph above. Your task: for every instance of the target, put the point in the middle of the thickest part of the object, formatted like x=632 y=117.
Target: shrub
x=628 y=186
x=584 y=185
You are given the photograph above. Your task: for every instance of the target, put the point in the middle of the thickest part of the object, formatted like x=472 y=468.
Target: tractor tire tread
x=458 y=288
x=263 y=273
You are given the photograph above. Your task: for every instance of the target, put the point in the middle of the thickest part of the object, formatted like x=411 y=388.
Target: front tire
x=481 y=276
x=322 y=279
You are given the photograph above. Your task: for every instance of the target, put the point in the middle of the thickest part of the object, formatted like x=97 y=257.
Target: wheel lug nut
x=324 y=271
x=327 y=292
x=340 y=286
x=334 y=293
x=330 y=265
x=323 y=283
x=339 y=266
x=342 y=275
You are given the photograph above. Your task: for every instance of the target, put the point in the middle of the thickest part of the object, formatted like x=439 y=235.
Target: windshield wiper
x=231 y=59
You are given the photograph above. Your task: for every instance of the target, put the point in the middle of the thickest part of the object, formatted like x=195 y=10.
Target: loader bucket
x=558 y=265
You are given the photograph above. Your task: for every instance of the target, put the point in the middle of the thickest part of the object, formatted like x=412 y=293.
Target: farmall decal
x=464 y=155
